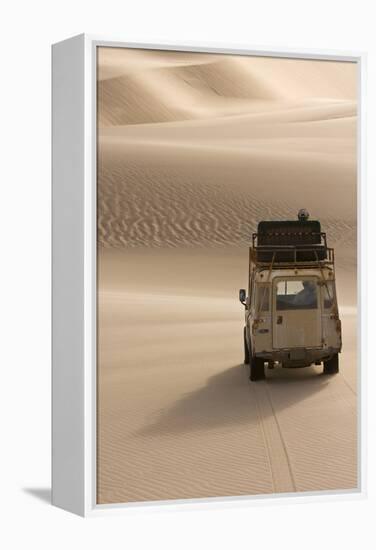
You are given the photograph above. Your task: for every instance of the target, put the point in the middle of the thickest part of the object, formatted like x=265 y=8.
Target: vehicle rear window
x=296 y=294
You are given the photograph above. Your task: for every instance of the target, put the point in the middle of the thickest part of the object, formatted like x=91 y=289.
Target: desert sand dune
x=226 y=168
x=113 y=62
x=229 y=184
x=264 y=119
x=184 y=92
x=142 y=86
x=193 y=150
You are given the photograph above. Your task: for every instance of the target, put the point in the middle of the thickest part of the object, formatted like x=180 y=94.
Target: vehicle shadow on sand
x=229 y=399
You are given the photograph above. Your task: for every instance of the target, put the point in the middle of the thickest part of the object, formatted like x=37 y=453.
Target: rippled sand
x=195 y=149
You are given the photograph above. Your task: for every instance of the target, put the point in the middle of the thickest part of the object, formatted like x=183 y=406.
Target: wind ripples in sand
x=142 y=207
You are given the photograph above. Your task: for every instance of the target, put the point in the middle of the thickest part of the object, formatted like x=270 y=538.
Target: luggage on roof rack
x=289 y=241
x=292 y=232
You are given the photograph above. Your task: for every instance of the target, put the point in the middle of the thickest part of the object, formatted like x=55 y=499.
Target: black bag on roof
x=303 y=236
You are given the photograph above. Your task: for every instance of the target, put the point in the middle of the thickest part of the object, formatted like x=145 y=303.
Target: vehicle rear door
x=296 y=313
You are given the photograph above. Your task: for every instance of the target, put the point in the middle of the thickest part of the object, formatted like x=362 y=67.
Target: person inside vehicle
x=307 y=296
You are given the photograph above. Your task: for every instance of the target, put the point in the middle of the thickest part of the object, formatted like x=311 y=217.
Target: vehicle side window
x=296 y=294
x=328 y=292
x=262 y=297
x=251 y=291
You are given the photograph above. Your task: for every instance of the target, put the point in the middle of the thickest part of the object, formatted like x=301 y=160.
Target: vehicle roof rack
x=297 y=242
x=290 y=255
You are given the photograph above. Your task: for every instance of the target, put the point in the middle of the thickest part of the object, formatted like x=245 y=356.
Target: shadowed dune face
x=194 y=150
x=205 y=85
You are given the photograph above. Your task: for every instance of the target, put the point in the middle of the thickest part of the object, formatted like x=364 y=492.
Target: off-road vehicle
x=291 y=310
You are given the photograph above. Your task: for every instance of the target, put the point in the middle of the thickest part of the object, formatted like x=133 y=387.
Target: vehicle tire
x=331 y=366
x=257 y=369
x=246 y=348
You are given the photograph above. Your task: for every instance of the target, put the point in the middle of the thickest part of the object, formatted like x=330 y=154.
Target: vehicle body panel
x=304 y=336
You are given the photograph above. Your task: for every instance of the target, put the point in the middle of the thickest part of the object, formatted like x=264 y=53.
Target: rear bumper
x=298 y=357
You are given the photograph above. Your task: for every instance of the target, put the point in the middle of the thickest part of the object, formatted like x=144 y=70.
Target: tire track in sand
x=280 y=466
x=310 y=427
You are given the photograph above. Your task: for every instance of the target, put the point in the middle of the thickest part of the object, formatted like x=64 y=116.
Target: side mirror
x=242 y=296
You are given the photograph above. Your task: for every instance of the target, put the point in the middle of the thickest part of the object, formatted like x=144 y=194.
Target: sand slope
x=178 y=415
x=195 y=149
x=136 y=86
x=196 y=189
x=195 y=152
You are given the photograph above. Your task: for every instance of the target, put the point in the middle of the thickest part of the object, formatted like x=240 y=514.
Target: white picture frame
x=74 y=292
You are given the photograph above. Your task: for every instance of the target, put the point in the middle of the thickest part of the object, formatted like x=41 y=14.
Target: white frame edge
x=74 y=277
x=68 y=319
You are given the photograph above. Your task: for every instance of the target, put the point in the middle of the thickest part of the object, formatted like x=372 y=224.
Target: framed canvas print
x=207 y=274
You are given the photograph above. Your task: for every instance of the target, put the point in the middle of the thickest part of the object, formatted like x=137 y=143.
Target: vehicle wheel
x=246 y=349
x=257 y=369
x=331 y=366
